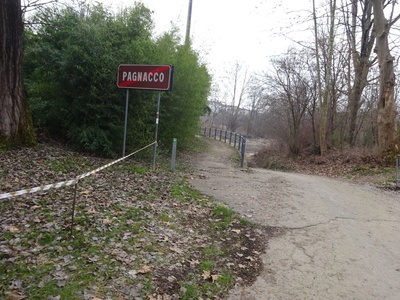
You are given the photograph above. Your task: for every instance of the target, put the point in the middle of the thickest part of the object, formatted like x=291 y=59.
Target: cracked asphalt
x=340 y=240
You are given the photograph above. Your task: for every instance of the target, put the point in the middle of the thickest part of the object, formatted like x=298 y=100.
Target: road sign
x=145 y=77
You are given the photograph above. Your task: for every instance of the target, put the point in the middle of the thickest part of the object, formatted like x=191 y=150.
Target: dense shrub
x=71 y=64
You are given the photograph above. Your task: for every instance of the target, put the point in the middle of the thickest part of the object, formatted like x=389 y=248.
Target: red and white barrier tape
x=67 y=182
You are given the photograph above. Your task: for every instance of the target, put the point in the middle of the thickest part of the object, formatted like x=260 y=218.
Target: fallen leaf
x=237 y=231
x=92 y=211
x=94 y=258
x=250 y=258
x=138 y=245
x=194 y=263
x=177 y=250
x=171 y=278
x=13 y=229
x=107 y=221
x=42 y=259
x=144 y=270
x=241 y=266
x=133 y=273
x=15 y=296
x=85 y=193
x=214 y=277
x=206 y=275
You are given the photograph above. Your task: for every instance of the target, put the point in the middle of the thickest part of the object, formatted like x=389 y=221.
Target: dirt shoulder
x=338 y=237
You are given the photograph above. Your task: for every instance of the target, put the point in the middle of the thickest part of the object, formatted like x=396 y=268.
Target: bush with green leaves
x=70 y=67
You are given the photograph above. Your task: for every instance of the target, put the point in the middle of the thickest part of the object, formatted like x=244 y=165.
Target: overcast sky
x=226 y=31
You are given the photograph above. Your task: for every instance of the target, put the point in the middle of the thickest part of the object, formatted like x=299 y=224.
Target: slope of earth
x=137 y=234
x=355 y=164
x=338 y=238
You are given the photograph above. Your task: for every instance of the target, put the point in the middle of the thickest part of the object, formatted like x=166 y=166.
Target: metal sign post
x=156 y=133
x=126 y=121
x=144 y=77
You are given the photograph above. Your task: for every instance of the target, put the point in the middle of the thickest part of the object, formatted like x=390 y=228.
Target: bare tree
x=239 y=85
x=216 y=106
x=291 y=93
x=328 y=78
x=361 y=38
x=256 y=105
x=387 y=127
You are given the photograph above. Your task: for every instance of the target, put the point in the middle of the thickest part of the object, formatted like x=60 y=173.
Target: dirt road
x=341 y=240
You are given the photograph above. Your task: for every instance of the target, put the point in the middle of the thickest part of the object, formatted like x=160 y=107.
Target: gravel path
x=340 y=241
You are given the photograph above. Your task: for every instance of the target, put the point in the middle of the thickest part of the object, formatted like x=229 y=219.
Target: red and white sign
x=145 y=77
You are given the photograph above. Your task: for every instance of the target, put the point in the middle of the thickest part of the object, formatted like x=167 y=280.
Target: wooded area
x=335 y=92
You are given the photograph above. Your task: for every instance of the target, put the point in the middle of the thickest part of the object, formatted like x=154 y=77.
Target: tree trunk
x=15 y=122
x=327 y=91
x=319 y=84
x=361 y=61
x=354 y=106
x=387 y=128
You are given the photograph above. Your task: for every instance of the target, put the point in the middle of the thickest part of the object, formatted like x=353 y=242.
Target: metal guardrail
x=234 y=139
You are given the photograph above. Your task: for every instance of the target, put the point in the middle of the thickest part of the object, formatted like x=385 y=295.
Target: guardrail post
x=230 y=138
x=226 y=135
x=215 y=134
x=209 y=132
x=220 y=134
x=234 y=144
x=242 y=152
x=73 y=210
x=205 y=131
x=173 y=158
x=397 y=171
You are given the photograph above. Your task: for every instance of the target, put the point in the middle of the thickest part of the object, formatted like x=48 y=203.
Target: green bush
x=71 y=62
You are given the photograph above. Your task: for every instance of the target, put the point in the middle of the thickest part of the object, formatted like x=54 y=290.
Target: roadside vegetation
x=354 y=164
x=72 y=54
x=137 y=234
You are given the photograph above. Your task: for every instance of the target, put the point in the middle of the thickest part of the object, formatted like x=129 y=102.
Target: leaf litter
x=136 y=235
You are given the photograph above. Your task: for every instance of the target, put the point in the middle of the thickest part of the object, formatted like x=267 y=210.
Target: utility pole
x=189 y=21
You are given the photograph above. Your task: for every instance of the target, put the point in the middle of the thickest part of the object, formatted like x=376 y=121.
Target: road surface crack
x=338 y=219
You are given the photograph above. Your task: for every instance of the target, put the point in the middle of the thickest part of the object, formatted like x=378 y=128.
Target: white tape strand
x=67 y=182
x=38 y=189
